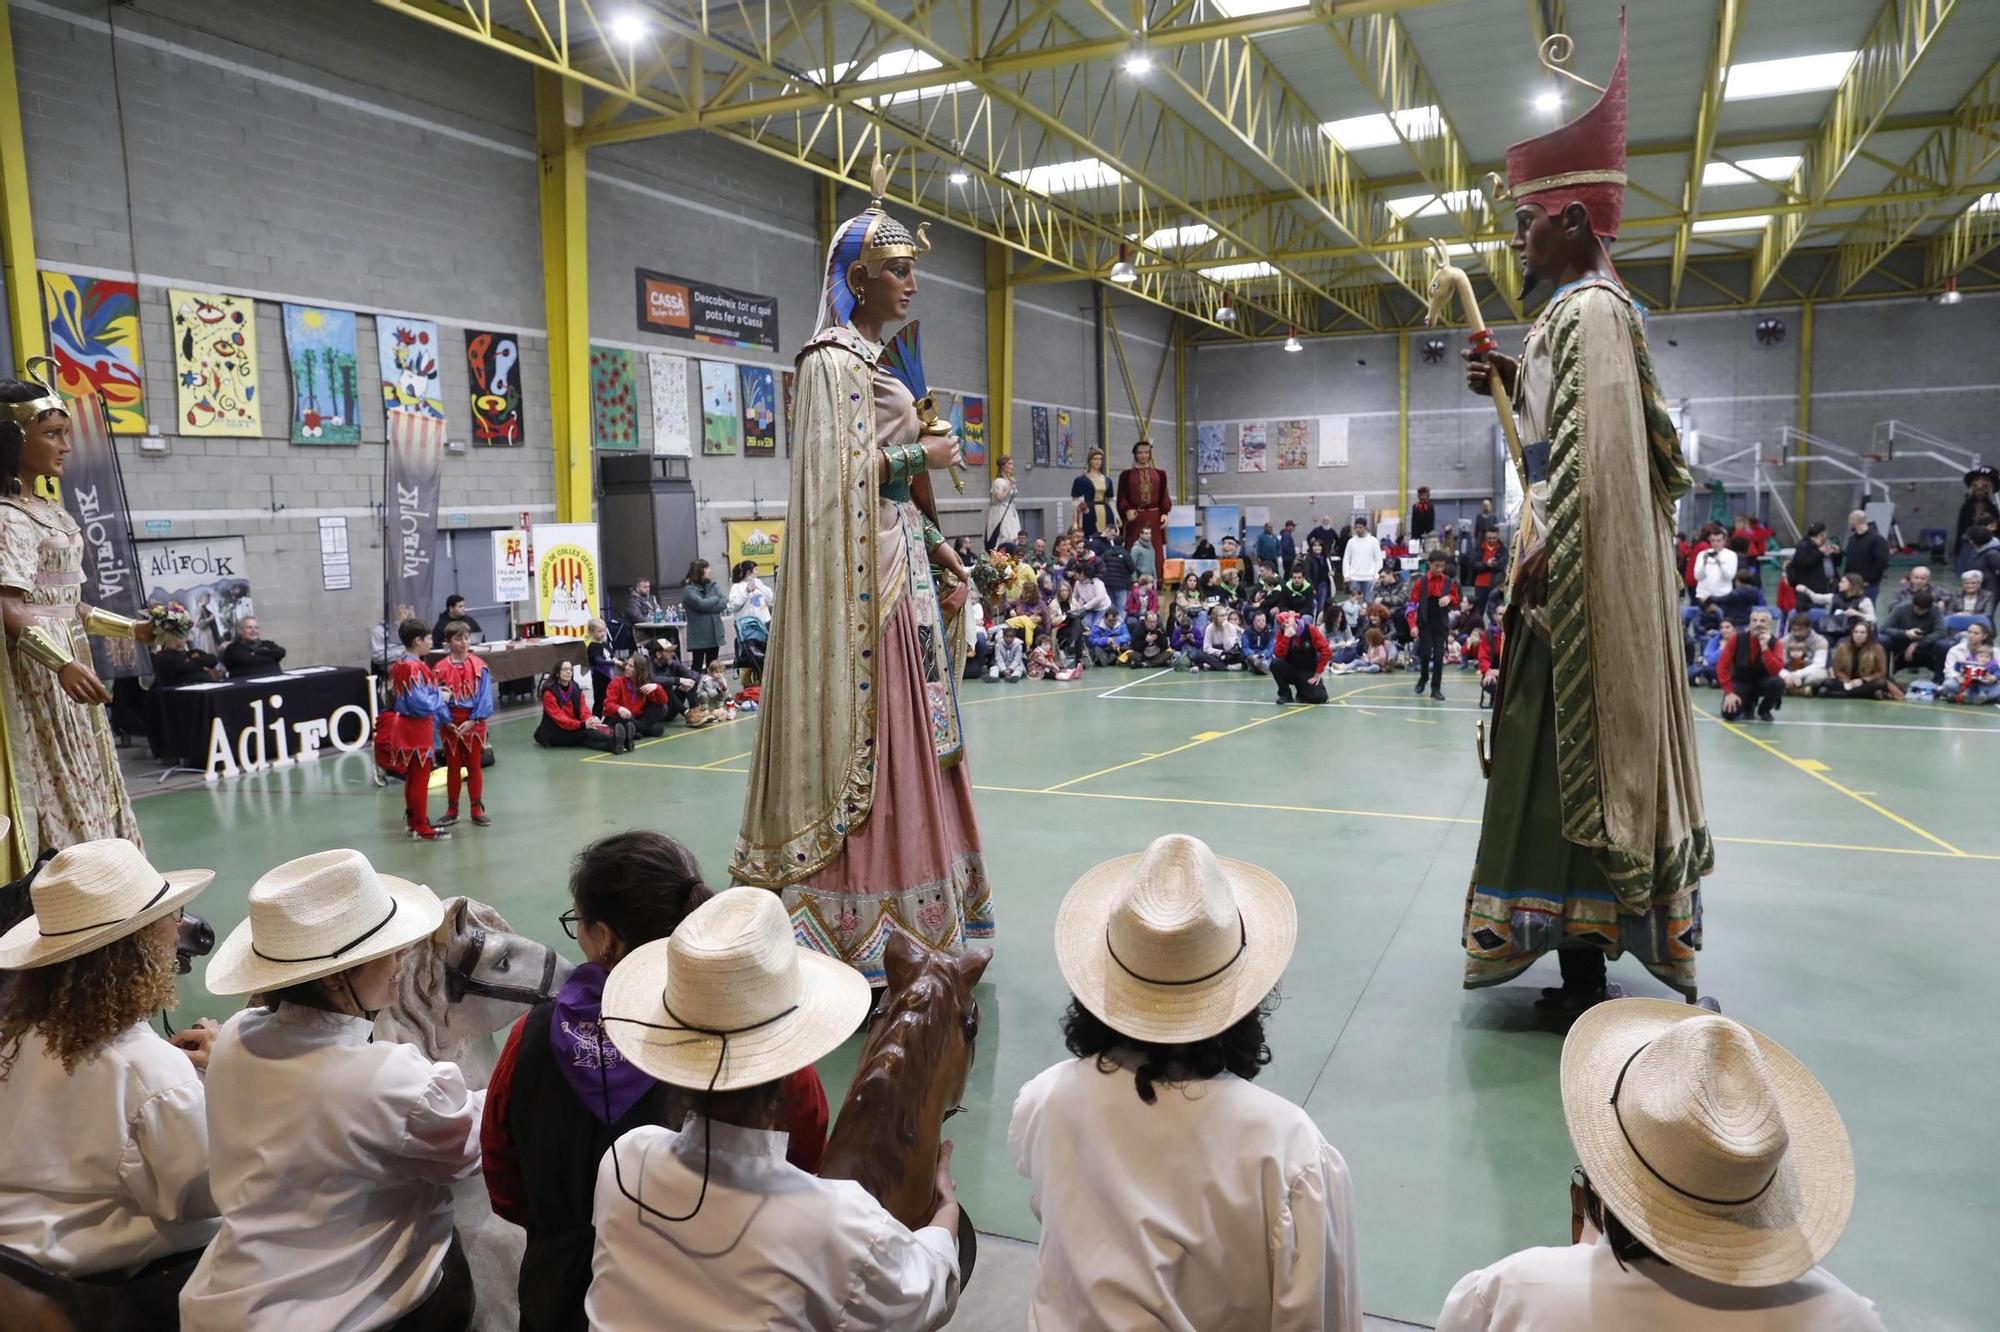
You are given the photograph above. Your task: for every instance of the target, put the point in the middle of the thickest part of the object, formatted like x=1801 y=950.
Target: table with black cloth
x=183 y=718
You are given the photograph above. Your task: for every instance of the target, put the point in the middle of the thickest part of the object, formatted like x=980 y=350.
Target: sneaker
x=1234 y=666
x=429 y=834
x=1284 y=696
x=479 y=819
x=450 y=817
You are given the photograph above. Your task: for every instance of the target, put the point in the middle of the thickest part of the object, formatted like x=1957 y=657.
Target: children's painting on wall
x=614 y=399
x=760 y=412
x=407 y=351
x=1294 y=445
x=970 y=419
x=1065 y=439
x=721 y=419
x=493 y=360
x=1209 y=456
x=215 y=363
x=1250 y=447
x=94 y=338
x=319 y=344
x=668 y=375
x=1038 y=434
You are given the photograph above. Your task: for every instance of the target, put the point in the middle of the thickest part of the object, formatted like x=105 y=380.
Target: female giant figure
x=859 y=809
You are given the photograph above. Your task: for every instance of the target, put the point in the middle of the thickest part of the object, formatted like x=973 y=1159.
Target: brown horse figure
x=911 y=1074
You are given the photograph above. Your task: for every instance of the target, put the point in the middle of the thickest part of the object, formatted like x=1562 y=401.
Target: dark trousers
x=1929 y=658
x=1582 y=968
x=1290 y=679
x=1430 y=657
x=551 y=736
x=449 y=1307
x=1763 y=695
x=702 y=656
x=652 y=721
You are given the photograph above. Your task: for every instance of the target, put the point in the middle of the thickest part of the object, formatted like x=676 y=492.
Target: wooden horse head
x=1447 y=280
x=912 y=1072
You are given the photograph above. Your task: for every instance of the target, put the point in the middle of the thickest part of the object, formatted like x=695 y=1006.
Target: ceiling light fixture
x=960 y=176
x=1122 y=272
x=1548 y=101
x=628 y=27
x=1292 y=343
x=1225 y=313
x=1138 y=64
x=1950 y=295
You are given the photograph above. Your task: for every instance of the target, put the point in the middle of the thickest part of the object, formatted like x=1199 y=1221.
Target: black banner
x=409 y=538
x=704 y=312
x=93 y=490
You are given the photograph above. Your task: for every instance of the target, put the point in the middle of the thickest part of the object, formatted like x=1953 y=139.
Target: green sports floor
x=1851 y=916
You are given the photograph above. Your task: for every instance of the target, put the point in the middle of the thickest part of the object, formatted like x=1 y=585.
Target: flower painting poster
x=760 y=412
x=1250 y=447
x=1038 y=434
x=94 y=338
x=721 y=418
x=406 y=350
x=215 y=363
x=1209 y=455
x=1294 y=445
x=614 y=399
x=668 y=375
x=970 y=419
x=319 y=345
x=493 y=360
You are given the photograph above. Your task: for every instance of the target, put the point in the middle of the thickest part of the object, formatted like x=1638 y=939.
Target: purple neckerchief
x=589 y=1061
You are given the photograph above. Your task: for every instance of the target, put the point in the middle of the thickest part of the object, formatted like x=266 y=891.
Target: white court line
x=1114 y=692
x=1186 y=698
x=1876 y=726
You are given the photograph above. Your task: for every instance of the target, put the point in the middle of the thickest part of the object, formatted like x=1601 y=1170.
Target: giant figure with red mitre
x=1593 y=843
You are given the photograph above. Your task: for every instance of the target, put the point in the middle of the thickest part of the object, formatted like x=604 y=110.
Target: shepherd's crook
x=1445 y=280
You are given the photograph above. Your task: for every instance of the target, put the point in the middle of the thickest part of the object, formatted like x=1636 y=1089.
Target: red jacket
x=1725 y=661
x=622 y=694
x=570 y=715
x=1489 y=653
x=1320 y=649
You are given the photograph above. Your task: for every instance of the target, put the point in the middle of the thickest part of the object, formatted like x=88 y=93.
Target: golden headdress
x=42 y=370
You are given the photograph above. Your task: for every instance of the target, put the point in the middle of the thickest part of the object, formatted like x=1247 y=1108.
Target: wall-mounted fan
x=1770 y=332
x=1433 y=350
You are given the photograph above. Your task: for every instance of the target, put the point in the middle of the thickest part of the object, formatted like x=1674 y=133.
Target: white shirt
x=770 y=1246
x=104 y=1169
x=1362 y=559
x=1221 y=637
x=975 y=621
x=1714 y=572
x=1581 y=1288
x=1218 y=1206
x=750 y=597
x=335 y=1184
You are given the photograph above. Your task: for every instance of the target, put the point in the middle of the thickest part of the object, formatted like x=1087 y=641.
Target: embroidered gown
x=859 y=807
x=65 y=761
x=1593 y=834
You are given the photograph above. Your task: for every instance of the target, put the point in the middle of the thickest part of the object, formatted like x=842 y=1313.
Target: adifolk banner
x=93 y=491
x=409 y=539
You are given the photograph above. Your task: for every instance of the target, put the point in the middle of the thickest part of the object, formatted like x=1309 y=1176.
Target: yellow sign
x=566 y=582
x=759 y=539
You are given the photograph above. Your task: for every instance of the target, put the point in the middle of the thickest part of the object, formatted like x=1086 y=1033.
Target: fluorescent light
x=628 y=27
x=1355 y=132
x=1086 y=173
x=1175 y=238
x=1138 y=64
x=1432 y=205
x=1781 y=78
x=1254 y=268
x=1717 y=226
x=1245 y=8
x=1750 y=171
x=960 y=176
x=1549 y=101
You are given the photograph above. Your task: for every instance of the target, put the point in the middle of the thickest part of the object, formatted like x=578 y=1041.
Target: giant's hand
x=941 y=451
x=81 y=683
x=1480 y=367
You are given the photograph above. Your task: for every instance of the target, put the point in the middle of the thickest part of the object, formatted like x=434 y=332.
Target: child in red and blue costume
x=408 y=732
x=468 y=691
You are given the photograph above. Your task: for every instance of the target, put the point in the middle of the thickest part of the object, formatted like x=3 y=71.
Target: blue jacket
x=1116 y=636
x=1258 y=644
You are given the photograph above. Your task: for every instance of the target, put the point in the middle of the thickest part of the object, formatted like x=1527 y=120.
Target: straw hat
x=89 y=894
x=316 y=915
x=1710 y=1142
x=1175 y=944
x=729 y=999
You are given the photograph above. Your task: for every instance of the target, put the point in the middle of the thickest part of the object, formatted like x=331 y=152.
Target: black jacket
x=1808 y=568
x=1423 y=519
x=1115 y=568
x=437 y=630
x=247 y=660
x=179 y=666
x=1974 y=510
x=1868 y=555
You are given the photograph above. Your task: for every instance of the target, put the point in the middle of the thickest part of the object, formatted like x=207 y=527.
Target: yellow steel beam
x=17 y=226
x=1963 y=242
x=1948 y=159
x=1402 y=423
x=1728 y=18
x=999 y=355
x=1804 y=406
x=565 y=290
x=1903 y=33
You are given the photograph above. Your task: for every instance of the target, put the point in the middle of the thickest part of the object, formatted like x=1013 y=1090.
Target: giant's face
x=45 y=445
x=1538 y=243
x=888 y=294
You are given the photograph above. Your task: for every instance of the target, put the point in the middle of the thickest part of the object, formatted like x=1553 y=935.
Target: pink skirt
x=914 y=865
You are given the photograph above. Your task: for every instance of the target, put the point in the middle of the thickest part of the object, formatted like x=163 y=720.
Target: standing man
x=1867 y=552
x=1423 y=518
x=1288 y=547
x=1593 y=841
x=1978 y=509
x=1436 y=598
x=250 y=654
x=1143 y=501
x=468 y=693
x=1362 y=560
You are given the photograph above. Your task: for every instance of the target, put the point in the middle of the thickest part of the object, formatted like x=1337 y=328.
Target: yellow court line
x=1208 y=737
x=1001 y=698
x=1806 y=766
x=727 y=758
x=686 y=732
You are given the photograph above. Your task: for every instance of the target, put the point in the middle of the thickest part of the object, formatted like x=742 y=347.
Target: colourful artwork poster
x=1250 y=447
x=760 y=411
x=614 y=399
x=319 y=346
x=721 y=418
x=407 y=352
x=1294 y=445
x=494 y=361
x=215 y=363
x=668 y=375
x=94 y=338
x=1209 y=454
x=1065 y=439
x=791 y=382
x=971 y=423
x=1038 y=436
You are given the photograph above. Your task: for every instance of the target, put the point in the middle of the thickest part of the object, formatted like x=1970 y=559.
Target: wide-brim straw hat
x=318 y=915
x=90 y=894
x=729 y=999
x=1174 y=944
x=1707 y=1140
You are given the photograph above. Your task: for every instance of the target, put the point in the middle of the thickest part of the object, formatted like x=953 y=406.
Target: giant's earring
x=860 y=295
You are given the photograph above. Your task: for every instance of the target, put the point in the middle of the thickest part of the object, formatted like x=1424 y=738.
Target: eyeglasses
x=569 y=920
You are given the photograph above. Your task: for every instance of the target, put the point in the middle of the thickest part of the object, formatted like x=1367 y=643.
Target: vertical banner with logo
x=513 y=573
x=94 y=493
x=566 y=586
x=409 y=537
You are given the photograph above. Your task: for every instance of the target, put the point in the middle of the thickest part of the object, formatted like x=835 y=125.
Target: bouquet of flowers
x=986 y=576
x=172 y=618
